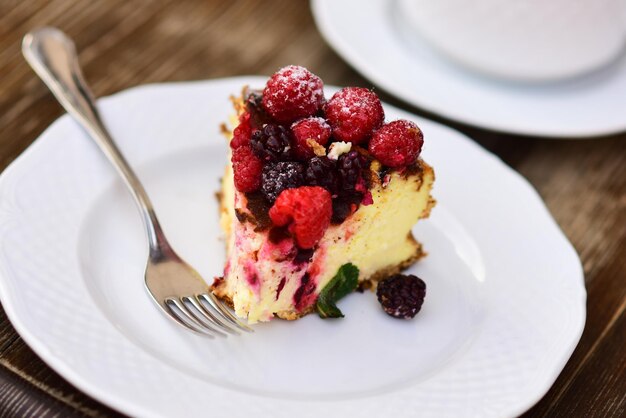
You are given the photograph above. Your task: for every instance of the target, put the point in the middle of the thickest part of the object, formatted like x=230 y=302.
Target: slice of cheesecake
x=312 y=187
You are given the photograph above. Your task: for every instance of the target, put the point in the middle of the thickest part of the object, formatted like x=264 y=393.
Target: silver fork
x=174 y=285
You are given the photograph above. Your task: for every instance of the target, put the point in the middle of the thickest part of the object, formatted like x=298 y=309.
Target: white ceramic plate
x=504 y=311
x=376 y=41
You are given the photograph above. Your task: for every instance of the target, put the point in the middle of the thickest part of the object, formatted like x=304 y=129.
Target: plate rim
x=121 y=404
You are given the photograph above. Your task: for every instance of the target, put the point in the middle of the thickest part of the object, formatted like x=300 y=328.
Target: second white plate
x=376 y=41
x=504 y=310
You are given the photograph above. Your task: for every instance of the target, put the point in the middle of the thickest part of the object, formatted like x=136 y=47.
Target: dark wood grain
x=126 y=43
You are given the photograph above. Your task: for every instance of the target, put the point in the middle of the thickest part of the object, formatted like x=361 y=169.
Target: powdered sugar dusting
x=304 y=83
x=397 y=144
x=293 y=92
x=354 y=113
x=314 y=119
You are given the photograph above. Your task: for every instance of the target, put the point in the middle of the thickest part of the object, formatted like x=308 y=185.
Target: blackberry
x=401 y=296
x=279 y=176
x=272 y=143
x=342 y=206
x=303 y=256
x=350 y=167
x=277 y=234
x=322 y=172
x=259 y=208
x=341 y=210
x=255 y=108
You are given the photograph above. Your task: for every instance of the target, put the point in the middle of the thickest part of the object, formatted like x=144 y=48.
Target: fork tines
x=205 y=315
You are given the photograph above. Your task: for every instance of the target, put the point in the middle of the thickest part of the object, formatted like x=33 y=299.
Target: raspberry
x=247 y=169
x=314 y=128
x=306 y=210
x=243 y=131
x=397 y=144
x=353 y=113
x=322 y=172
x=280 y=176
x=292 y=93
x=272 y=143
x=401 y=296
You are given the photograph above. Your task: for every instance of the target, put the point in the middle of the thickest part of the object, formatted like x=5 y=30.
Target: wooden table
x=125 y=43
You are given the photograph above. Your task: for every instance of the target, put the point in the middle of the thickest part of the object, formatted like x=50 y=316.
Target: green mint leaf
x=344 y=282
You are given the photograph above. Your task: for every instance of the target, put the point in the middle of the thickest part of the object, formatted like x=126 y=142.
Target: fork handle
x=53 y=57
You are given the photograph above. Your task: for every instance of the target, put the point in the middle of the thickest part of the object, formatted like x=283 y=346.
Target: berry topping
x=350 y=166
x=342 y=208
x=306 y=210
x=292 y=93
x=401 y=296
x=322 y=172
x=243 y=131
x=258 y=207
x=254 y=106
x=368 y=199
x=353 y=113
x=272 y=143
x=306 y=130
x=397 y=144
x=247 y=169
x=280 y=176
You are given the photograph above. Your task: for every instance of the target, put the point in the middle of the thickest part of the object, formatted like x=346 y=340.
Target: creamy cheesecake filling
x=266 y=276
